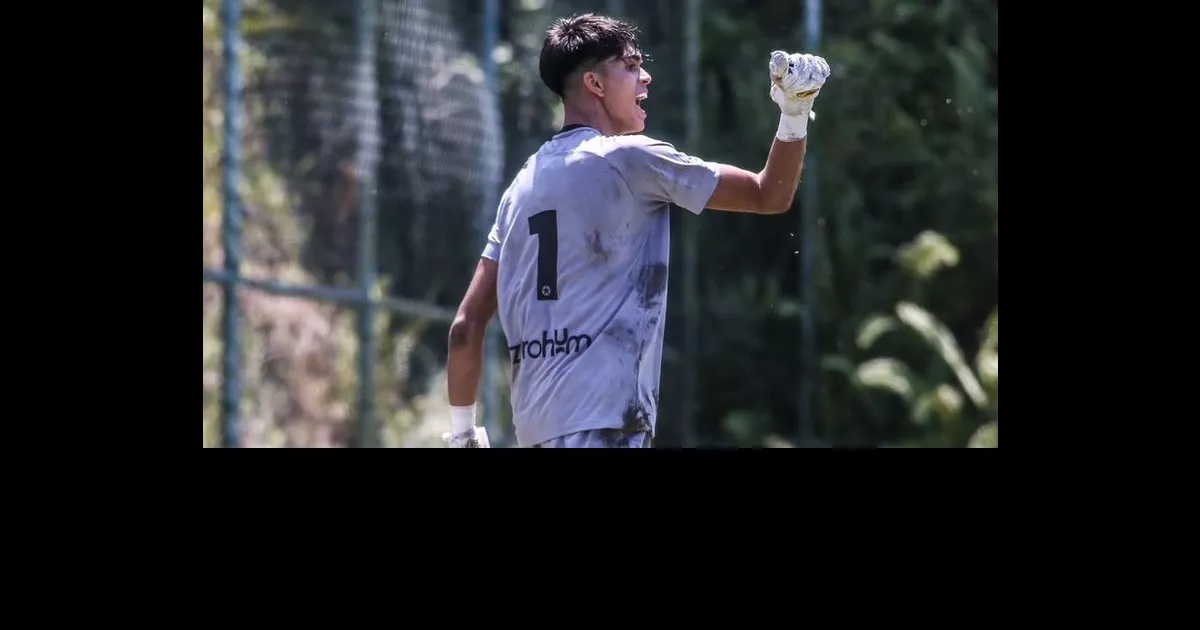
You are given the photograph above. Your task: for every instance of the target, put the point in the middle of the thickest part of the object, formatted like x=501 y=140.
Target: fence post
x=691 y=227
x=231 y=224
x=366 y=153
x=490 y=380
x=808 y=237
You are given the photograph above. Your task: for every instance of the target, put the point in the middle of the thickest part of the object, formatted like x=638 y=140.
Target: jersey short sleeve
x=657 y=171
x=495 y=237
x=491 y=249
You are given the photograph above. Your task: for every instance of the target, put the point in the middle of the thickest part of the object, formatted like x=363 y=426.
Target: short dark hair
x=582 y=40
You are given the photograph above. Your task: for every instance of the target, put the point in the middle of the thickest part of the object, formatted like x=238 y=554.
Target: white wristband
x=792 y=128
x=462 y=419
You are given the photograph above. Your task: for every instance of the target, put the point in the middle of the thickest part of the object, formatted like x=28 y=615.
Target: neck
x=589 y=114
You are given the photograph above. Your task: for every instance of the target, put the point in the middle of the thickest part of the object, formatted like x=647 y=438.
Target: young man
x=576 y=263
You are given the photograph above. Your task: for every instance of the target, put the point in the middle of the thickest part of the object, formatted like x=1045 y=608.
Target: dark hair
x=582 y=40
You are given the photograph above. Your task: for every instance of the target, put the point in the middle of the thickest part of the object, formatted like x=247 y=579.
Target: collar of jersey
x=574 y=127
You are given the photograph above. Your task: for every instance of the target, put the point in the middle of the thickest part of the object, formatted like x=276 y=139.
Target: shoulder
x=633 y=151
x=621 y=146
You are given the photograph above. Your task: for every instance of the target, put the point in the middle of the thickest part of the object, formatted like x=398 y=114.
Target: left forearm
x=464 y=365
x=464 y=362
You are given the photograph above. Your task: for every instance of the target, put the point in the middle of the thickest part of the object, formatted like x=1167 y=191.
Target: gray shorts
x=601 y=438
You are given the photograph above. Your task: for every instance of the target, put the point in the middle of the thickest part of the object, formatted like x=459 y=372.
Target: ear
x=591 y=83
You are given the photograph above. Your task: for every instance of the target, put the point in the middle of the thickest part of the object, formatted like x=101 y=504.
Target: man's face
x=625 y=84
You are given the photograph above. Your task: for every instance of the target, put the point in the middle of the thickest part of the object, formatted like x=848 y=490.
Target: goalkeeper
x=576 y=262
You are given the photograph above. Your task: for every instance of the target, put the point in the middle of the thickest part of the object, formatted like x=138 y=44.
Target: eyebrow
x=635 y=57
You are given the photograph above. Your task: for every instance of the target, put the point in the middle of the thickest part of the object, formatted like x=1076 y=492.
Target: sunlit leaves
x=928 y=253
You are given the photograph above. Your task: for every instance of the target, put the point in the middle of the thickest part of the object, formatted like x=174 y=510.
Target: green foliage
x=905 y=144
x=904 y=157
x=988 y=436
x=949 y=401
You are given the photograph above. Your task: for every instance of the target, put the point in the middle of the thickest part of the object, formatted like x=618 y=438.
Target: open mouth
x=639 y=99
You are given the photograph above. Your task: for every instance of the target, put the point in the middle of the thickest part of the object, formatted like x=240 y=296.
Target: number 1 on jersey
x=544 y=225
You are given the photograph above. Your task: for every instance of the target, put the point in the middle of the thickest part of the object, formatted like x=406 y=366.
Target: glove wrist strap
x=792 y=128
x=462 y=419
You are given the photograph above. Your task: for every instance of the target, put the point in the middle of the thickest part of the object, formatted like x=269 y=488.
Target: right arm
x=769 y=191
x=795 y=82
x=661 y=173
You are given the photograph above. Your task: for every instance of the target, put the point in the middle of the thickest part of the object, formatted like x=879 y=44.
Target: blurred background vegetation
x=906 y=232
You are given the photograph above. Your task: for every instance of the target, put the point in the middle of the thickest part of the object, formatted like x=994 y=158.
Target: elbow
x=779 y=208
x=779 y=205
x=775 y=198
x=465 y=332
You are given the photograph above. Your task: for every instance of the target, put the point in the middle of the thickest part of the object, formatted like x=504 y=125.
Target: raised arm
x=795 y=82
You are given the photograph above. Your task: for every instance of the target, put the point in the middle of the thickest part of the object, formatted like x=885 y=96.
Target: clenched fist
x=796 y=79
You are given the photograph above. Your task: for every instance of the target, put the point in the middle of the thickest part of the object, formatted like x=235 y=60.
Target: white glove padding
x=796 y=80
x=477 y=438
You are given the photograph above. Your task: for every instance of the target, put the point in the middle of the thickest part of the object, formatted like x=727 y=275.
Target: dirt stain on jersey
x=635 y=417
x=624 y=334
x=596 y=247
x=615 y=190
x=651 y=283
x=625 y=337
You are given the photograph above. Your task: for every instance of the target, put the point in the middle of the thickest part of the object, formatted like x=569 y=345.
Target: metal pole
x=808 y=232
x=691 y=99
x=231 y=224
x=368 y=145
x=489 y=418
x=338 y=295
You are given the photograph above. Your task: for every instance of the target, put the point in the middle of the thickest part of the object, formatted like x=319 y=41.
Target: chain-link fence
x=358 y=146
x=354 y=153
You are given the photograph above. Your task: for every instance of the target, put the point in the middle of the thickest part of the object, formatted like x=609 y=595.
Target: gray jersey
x=582 y=242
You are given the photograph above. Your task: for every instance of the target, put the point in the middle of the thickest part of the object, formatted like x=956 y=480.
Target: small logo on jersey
x=546 y=291
x=551 y=344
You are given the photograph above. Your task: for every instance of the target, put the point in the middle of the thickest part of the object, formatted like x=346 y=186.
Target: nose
x=645 y=78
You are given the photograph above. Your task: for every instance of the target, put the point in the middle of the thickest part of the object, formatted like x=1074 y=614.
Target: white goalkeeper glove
x=796 y=80
x=463 y=432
